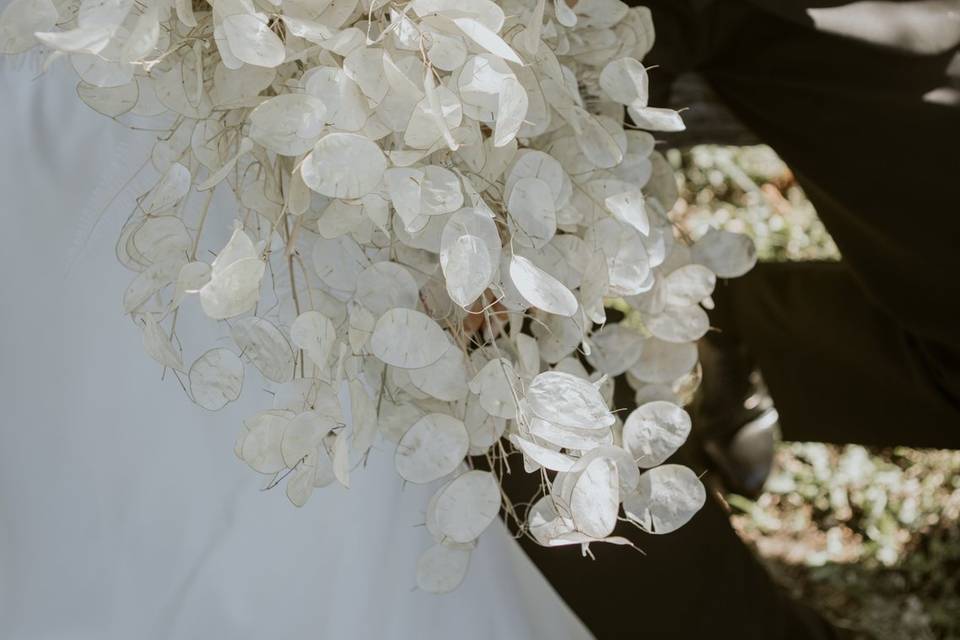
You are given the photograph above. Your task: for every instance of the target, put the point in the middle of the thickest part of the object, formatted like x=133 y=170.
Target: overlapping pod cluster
x=435 y=198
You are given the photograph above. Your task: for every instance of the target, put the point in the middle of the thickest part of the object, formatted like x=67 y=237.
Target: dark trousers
x=861 y=351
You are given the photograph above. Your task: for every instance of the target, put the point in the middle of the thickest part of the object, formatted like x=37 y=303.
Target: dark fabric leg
x=876 y=158
x=839 y=369
x=698 y=582
x=869 y=351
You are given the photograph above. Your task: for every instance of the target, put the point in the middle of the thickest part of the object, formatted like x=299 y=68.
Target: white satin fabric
x=123 y=511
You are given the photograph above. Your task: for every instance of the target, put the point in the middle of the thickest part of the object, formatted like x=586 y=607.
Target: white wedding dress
x=123 y=511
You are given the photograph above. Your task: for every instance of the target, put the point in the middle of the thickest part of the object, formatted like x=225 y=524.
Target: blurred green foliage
x=749 y=190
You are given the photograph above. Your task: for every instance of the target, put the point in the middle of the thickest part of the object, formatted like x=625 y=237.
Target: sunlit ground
x=868 y=537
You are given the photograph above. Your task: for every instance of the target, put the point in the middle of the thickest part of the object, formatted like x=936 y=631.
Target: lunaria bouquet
x=433 y=200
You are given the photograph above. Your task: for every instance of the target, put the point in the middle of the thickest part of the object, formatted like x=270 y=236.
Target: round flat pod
x=431 y=448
